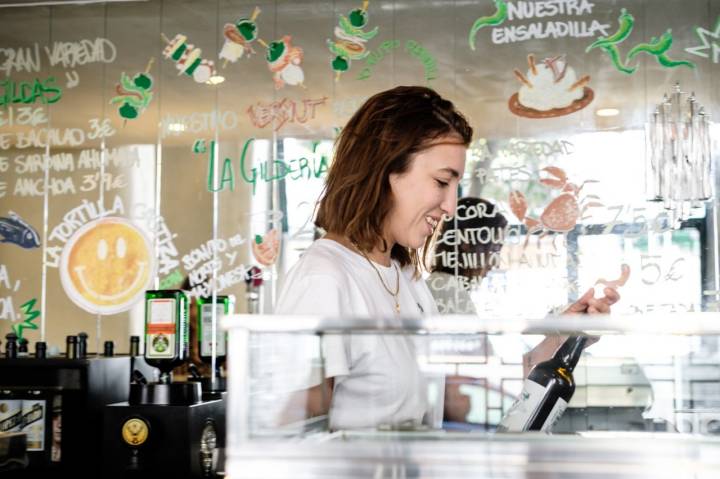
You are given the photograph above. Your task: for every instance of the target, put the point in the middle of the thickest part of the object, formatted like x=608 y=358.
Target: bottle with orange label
x=166 y=330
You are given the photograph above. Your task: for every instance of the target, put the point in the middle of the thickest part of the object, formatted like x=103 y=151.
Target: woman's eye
x=443 y=184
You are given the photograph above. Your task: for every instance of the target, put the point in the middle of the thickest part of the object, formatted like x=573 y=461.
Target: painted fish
x=16 y=230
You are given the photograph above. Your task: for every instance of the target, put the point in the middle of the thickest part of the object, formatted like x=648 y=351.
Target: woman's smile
x=431 y=223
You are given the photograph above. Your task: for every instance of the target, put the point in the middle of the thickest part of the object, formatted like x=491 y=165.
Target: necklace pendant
x=397 y=307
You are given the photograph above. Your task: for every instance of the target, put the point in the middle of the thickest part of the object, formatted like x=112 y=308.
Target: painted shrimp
x=603 y=283
x=563 y=213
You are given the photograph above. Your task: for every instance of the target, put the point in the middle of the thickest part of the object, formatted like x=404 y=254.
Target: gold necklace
x=382 y=281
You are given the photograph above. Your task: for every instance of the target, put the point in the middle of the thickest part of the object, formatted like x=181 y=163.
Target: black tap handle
x=194 y=372
x=138 y=377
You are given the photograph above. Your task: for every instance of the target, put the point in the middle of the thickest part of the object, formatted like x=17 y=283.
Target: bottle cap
x=108 y=348
x=82 y=344
x=71 y=350
x=11 y=345
x=40 y=350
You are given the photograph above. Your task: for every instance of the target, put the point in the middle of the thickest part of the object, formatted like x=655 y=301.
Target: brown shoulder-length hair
x=380 y=139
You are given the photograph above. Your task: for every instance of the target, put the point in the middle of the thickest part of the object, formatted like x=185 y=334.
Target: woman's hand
x=589 y=304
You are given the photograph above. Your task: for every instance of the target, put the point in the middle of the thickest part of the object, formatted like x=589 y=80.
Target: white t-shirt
x=377 y=378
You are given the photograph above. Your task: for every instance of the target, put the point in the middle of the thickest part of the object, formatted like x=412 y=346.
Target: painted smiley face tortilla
x=106 y=266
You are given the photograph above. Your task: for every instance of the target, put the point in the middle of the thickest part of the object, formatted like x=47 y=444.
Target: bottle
x=134 y=345
x=56 y=436
x=71 y=347
x=40 y=350
x=11 y=345
x=82 y=345
x=166 y=330
x=223 y=305
x=546 y=391
x=108 y=349
x=10 y=411
x=33 y=420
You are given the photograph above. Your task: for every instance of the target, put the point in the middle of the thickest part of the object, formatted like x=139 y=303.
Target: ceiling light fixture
x=215 y=80
x=607 y=112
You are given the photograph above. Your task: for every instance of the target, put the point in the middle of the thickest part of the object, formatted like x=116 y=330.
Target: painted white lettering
x=24 y=59
x=72 y=54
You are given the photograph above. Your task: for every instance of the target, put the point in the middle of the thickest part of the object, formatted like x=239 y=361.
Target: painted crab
x=563 y=213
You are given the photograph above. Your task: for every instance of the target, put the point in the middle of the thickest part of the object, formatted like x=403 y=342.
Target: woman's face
x=425 y=192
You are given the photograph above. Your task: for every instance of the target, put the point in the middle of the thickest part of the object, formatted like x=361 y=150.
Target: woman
x=395 y=174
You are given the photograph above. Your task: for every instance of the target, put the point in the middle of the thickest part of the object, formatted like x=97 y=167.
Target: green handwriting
x=274 y=170
x=29 y=92
x=30 y=316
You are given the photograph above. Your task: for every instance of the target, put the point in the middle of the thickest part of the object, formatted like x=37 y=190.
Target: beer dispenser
x=166 y=427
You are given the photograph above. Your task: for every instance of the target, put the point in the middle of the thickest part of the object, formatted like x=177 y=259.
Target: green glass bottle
x=166 y=329
x=224 y=305
x=546 y=391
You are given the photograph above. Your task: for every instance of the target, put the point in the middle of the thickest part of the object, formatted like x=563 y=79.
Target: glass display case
x=645 y=401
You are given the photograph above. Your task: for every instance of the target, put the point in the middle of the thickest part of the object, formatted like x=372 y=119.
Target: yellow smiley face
x=106 y=266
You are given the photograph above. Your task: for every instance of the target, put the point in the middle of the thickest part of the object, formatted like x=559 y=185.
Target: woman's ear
x=393 y=178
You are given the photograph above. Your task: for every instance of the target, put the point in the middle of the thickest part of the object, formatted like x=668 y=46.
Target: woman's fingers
x=599 y=306
x=611 y=295
x=602 y=305
x=591 y=305
x=594 y=310
x=581 y=305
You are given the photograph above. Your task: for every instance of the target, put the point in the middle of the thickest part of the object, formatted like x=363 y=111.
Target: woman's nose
x=449 y=203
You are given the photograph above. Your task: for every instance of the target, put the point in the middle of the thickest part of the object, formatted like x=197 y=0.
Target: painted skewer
x=522 y=79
